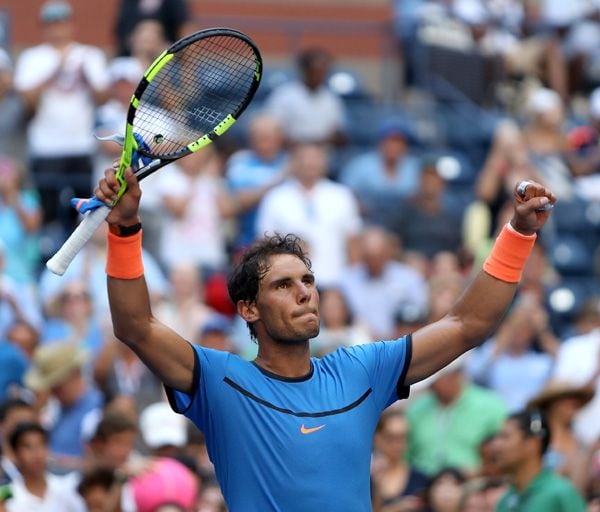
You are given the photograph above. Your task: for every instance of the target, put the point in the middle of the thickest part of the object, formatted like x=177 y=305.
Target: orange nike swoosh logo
x=305 y=430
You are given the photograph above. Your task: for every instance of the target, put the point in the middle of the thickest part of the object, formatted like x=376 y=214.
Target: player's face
x=287 y=304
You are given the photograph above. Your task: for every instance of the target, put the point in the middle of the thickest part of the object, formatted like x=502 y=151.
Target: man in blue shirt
x=57 y=369
x=289 y=432
x=252 y=172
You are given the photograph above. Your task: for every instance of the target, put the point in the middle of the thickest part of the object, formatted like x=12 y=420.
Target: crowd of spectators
x=396 y=220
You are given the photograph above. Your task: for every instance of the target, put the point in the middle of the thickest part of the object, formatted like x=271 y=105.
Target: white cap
x=543 y=100
x=561 y=13
x=472 y=12
x=160 y=426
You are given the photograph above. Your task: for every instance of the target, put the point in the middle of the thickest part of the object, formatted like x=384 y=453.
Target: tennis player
x=287 y=432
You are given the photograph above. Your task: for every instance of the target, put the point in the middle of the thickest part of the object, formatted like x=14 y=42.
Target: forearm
x=31 y=97
x=100 y=96
x=481 y=307
x=31 y=220
x=487 y=298
x=490 y=180
x=127 y=291
x=246 y=199
x=130 y=309
x=33 y=94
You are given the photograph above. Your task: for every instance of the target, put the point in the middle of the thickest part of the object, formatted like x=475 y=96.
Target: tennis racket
x=191 y=94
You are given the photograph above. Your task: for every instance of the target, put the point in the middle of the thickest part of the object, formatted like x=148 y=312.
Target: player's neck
x=285 y=360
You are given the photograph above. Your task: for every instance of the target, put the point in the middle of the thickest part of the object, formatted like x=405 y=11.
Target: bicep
x=168 y=356
x=434 y=347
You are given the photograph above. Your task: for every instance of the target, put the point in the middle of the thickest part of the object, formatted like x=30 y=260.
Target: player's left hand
x=533 y=204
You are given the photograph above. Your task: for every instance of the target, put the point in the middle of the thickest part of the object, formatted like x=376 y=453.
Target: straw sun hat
x=555 y=390
x=52 y=364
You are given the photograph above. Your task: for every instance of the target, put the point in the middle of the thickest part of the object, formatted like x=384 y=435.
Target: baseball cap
x=160 y=426
x=394 y=127
x=55 y=10
x=53 y=363
x=167 y=482
x=216 y=323
x=543 y=100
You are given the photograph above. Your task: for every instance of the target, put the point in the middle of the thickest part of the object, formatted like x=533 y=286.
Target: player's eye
x=309 y=280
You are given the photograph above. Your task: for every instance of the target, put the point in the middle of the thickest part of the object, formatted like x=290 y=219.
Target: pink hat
x=168 y=482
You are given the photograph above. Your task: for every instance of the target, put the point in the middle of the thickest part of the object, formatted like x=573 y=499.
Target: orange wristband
x=509 y=254
x=124 y=259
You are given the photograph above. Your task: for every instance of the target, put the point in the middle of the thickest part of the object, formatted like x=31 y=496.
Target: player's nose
x=303 y=293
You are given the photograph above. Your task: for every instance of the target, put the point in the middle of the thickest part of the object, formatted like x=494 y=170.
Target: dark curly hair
x=245 y=279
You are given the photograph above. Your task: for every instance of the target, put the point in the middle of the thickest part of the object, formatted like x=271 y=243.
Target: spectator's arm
x=244 y=199
x=583 y=165
x=104 y=361
x=31 y=96
x=176 y=205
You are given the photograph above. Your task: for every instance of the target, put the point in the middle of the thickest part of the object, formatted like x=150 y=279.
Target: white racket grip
x=80 y=236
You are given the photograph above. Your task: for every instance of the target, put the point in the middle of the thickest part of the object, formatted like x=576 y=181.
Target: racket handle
x=80 y=236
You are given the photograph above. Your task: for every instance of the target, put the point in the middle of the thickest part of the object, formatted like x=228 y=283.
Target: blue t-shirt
x=14 y=364
x=66 y=435
x=247 y=171
x=281 y=444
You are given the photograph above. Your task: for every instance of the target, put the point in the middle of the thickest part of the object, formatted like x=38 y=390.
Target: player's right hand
x=125 y=211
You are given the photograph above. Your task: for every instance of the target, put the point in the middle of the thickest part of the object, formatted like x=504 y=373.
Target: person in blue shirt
x=252 y=172
x=14 y=364
x=287 y=431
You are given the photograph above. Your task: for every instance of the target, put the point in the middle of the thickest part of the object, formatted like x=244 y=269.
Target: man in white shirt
x=12 y=412
x=378 y=286
x=578 y=362
x=306 y=108
x=61 y=81
x=323 y=213
x=38 y=490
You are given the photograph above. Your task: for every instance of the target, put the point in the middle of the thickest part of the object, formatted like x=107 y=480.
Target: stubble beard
x=300 y=337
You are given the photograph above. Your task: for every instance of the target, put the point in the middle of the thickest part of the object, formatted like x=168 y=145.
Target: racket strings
x=197 y=89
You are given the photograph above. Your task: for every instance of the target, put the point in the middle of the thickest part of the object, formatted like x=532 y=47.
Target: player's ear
x=248 y=310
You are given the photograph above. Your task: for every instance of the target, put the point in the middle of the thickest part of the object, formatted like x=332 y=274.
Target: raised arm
x=166 y=353
x=485 y=300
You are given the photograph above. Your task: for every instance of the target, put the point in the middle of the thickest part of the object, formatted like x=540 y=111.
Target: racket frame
x=59 y=263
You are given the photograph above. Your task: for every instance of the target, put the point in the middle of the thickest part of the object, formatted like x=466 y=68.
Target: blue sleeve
x=386 y=363
x=209 y=370
x=351 y=174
